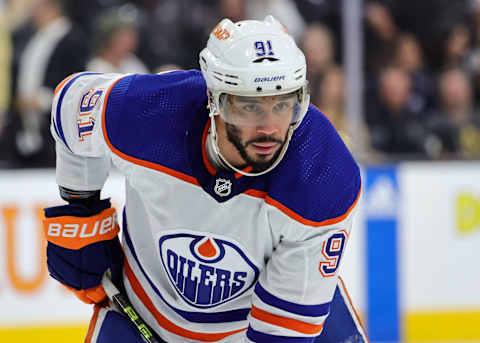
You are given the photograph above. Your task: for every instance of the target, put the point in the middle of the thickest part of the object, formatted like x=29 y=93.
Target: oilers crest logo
x=206 y=271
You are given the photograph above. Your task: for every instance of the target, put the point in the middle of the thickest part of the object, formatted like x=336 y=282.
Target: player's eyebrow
x=287 y=96
x=247 y=100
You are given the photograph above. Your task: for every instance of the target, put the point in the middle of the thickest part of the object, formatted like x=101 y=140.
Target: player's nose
x=266 y=130
x=268 y=125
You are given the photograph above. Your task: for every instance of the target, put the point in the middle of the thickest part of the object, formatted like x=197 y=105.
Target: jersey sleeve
x=292 y=297
x=83 y=160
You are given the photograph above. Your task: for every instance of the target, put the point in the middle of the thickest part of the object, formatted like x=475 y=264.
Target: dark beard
x=233 y=135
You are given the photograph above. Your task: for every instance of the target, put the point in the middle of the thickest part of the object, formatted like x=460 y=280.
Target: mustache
x=264 y=139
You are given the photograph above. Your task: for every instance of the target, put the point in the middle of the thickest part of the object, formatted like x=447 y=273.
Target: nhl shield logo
x=223 y=187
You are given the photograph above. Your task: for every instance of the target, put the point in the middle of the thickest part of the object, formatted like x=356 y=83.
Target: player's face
x=257 y=128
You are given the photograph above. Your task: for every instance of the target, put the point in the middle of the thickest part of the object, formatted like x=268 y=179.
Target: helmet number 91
x=263 y=48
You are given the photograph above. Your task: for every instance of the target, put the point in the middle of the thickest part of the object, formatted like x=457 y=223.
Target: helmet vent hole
x=259 y=89
x=298 y=77
x=298 y=70
x=278 y=87
x=231 y=83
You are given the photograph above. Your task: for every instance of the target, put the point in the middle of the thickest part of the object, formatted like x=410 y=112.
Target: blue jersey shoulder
x=147 y=116
x=318 y=178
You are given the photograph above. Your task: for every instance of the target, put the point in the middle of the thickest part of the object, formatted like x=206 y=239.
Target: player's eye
x=250 y=108
x=282 y=106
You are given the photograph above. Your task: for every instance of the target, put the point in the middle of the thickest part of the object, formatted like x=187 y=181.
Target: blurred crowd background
x=421 y=65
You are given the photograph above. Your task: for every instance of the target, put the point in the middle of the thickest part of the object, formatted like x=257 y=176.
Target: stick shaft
x=124 y=305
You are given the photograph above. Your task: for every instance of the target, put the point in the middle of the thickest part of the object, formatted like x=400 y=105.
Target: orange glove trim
x=76 y=232
x=94 y=295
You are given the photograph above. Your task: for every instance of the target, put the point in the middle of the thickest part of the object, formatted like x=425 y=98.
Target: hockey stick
x=124 y=305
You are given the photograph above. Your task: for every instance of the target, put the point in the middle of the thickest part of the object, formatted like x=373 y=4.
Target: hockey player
x=239 y=197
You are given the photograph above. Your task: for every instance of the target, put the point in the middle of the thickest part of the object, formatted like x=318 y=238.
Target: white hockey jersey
x=211 y=256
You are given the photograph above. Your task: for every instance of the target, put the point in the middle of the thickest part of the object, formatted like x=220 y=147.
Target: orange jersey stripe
x=324 y=114
x=305 y=221
x=138 y=161
x=169 y=71
x=207 y=163
x=353 y=307
x=93 y=323
x=61 y=84
x=76 y=232
x=164 y=322
x=287 y=323
x=247 y=169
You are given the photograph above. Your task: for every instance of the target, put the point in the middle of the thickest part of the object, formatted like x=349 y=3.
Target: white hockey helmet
x=253 y=58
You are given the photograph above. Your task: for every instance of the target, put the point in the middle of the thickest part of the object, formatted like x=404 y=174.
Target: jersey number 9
x=332 y=250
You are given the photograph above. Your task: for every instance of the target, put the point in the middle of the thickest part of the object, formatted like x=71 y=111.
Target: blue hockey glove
x=82 y=244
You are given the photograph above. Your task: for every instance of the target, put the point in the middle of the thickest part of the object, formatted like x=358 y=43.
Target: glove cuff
x=73 y=232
